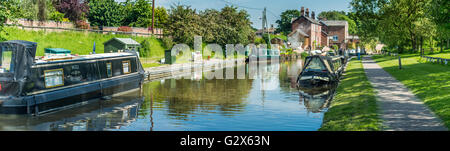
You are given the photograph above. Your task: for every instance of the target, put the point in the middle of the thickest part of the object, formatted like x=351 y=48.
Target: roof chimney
x=302 y=11
x=313 y=15
x=307 y=12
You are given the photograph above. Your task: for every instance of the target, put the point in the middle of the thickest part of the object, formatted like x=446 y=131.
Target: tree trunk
x=442 y=45
x=421 y=46
x=413 y=44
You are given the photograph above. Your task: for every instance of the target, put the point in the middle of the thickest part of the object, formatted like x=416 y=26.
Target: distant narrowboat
x=321 y=70
x=33 y=86
x=263 y=55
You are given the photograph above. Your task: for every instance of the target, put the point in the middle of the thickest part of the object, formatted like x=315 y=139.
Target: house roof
x=335 y=23
x=271 y=30
x=127 y=41
x=307 y=18
x=299 y=32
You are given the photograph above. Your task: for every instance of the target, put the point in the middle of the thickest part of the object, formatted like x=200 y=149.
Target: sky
x=255 y=7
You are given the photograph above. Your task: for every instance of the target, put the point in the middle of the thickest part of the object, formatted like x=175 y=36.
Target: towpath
x=399 y=108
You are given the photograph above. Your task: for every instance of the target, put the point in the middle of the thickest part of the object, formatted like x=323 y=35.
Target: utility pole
x=153 y=17
x=265 y=24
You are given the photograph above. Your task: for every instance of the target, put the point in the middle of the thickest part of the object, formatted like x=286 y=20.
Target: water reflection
x=101 y=115
x=266 y=99
x=317 y=99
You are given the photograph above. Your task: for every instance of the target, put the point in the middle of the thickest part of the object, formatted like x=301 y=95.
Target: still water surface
x=269 y=101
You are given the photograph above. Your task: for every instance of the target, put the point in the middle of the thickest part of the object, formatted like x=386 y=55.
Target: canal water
x=267 y=99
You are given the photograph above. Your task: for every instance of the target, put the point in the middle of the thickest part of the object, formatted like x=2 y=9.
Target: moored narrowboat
x=321 y=70
x=33 y=86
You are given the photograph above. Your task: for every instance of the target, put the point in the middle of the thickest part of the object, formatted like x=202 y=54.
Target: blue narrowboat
x=30 y=85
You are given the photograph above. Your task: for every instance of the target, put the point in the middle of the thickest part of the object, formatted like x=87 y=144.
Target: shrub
x=167 y=42
x=304 y=54
x=144 y=51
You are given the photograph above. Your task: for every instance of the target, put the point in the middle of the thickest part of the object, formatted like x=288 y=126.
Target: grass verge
x=78 y=42
x=354 y=107
x=429 y=82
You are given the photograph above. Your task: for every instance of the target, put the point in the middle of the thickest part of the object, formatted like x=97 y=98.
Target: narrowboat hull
x=56 y=98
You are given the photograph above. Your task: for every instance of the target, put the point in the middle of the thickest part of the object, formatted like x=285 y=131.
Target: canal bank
x=166 y=71
x=354 y=107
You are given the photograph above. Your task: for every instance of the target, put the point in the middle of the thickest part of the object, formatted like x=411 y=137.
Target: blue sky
x=255 y=7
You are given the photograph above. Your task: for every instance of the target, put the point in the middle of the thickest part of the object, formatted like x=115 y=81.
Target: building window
x=126 y=67
x=54 y=78
x=335 y=38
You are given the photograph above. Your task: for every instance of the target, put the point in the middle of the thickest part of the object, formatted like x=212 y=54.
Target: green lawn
x=441 y=55
x=354 y=107
x=78 y=42
x=429 y=82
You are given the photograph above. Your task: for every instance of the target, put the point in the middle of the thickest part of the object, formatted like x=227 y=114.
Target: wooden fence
x=437 y=60
x=157 y=35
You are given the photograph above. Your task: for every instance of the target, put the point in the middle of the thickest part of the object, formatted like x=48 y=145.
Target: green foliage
x=401 y=23
x=340 y=15
x=144 y=51
x=167 y=42
x=8 y=11
x=161 y=17
x=105 y=13
x=138 y=13
x=228 y=26
x=354 y=107
x=284 y=23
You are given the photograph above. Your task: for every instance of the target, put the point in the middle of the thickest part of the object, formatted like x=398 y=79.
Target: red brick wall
x=340 y=32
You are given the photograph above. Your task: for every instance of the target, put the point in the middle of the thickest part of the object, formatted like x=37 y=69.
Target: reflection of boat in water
x=60 y=79
x=316 y=100
x=111 y=114
x=321 y=70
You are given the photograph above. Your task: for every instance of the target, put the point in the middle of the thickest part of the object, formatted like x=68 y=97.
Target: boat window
x=109 y=69
x=6 y=64
x=126 y=66
x=54 y=78
x=315 y=65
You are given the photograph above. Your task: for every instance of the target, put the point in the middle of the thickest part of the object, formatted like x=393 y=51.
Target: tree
x=184 y=24
x=161 y=17
x=138 y=13
x=105 y=13
x=284 y=23
x=393 y=22
x=8 y=11
x=440 y=15
x=75 y=10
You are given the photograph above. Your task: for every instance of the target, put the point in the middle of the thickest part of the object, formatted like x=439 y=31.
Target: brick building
x=337 y=33
x=310 y=28
x=314 y=33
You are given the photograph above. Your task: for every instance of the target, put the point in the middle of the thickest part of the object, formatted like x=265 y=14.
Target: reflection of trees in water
x=184 y=96
x=289 y=71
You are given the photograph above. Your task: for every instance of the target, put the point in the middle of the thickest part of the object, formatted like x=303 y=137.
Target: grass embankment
x=354 y=107
x=430 y=82
x=78 y=42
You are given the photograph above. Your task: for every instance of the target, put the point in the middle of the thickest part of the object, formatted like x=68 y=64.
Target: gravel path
x=399 y=109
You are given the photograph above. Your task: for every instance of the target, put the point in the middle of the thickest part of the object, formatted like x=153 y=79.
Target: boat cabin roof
x=70 y=58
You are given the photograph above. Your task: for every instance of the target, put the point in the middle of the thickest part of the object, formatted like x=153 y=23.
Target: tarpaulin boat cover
x=23 y=58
